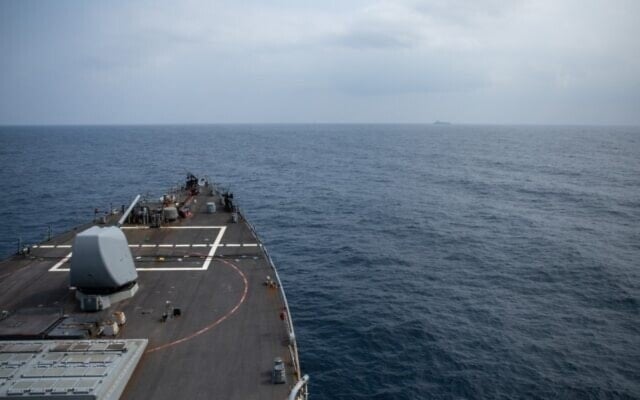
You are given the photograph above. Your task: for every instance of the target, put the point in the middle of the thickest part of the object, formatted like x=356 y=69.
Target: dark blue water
x=446 y=262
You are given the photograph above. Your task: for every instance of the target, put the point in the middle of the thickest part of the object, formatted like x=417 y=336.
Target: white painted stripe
x=207 y=260
x=232 y=245
x=170 y=269
x=64 y=246
x=194 y=227
x=146 y=269
x=47 y=246
x=175 y=227
x=57 y=265
x=250 y=244
x=204 y=267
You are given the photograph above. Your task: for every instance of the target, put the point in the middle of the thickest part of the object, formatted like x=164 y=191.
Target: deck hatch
x=65 y=369
x=116 y=347
x=28 y=323
x=22 y=348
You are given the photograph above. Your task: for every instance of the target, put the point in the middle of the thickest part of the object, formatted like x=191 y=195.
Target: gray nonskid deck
x=231 y=325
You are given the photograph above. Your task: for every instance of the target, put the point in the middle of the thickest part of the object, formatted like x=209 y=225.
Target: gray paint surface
x=229 y=331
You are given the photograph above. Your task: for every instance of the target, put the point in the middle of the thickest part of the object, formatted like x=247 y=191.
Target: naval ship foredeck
x=213 y=326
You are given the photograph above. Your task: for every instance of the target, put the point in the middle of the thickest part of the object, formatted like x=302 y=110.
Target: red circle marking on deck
x=214 y=323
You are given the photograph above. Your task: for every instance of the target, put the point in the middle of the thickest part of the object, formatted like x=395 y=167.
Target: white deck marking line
x=170 y=269
x=63 y=246
x=250 y=245
x=207 y=259
x=177 y=227
x=194 y=227
x=214 y=323
x=57 y=266
x=232 y=245
x=204 y=267
x=47 y=246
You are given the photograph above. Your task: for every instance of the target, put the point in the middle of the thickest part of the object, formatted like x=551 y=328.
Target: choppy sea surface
x=420 y=261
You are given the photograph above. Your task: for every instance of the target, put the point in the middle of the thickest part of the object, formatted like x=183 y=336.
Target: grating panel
x=22 y=348
x=19 y=359
x=33 y=373
x=101 y=358
x=50 y=358
x=86 y=385
x=63 y=386
x=20 y=387
x=41 y=386
x=74 y=371
x=80 y=347
x=62 y=347
x=96 y=371
x=6 y=372
x=53 y=372
x=116 y=347
x=88 y=370
x=77 y=358
x=100 y=346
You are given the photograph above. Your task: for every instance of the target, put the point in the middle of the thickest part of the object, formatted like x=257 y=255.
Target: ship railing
x=300 y=389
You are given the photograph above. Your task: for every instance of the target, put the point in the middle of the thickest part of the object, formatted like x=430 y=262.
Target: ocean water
x=420 y=261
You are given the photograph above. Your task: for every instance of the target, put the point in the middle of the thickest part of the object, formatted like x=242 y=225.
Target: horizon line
x=433 y=123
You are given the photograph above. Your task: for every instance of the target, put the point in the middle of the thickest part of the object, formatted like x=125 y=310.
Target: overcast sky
x=476 y=61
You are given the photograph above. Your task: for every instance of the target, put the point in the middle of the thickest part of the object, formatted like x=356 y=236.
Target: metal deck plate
x=67 y=369
x=221 y=346
x=29 y=323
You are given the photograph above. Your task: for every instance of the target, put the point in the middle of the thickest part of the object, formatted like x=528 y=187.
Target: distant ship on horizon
x=438 y=122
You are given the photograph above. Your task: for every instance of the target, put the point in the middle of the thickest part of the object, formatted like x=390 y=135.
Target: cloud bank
x=482 y=61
